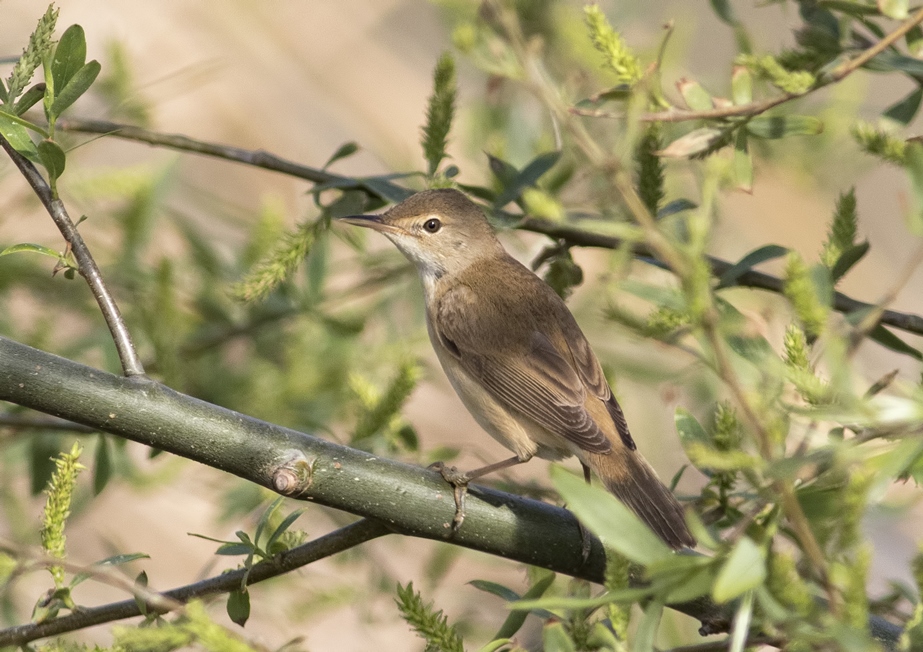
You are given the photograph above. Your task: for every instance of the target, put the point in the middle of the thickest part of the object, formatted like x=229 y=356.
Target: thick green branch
x=405 y=499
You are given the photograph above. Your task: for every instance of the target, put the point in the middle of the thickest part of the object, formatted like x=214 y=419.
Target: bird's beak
x=369 y=221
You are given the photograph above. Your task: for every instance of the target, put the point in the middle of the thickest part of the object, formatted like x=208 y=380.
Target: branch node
x=295 y=475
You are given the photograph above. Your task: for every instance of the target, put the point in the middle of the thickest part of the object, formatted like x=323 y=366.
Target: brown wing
x=533 y=378
x=591 y=373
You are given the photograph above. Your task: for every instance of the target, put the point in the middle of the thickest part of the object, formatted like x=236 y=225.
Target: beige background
x=299 y=78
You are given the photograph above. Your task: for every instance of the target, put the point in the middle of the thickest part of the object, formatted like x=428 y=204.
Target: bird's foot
x=459 y=482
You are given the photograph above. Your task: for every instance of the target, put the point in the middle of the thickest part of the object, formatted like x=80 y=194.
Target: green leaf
x=891 y=341
x=745 y=569
x=29 y=99
x=914 y=160
x=556 y=639
x=676 y=206
x=695 y=142
x=743 y=162
x=695 y=96
x=18 y=137
x=34 y=248
x=69 y=56
x=239 y=606
x=689 y=428
x=515 y=620
x=77 y=86
x=780 y=126
x=906 y=109
x=498 y=590
x=234 y=549
x=102 y=468
x=741 y=626
x=848 y=259
x=114 y=560
x=52 y=157
x=724 y=11
x=610 y=519
x=345 y=150
x=647 y=629
x=895 y=9
x=741 y=85
x=527 y=177
x=749 y=261
x=283 y=526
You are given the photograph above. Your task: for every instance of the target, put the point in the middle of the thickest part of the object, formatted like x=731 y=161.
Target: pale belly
x=517 y=433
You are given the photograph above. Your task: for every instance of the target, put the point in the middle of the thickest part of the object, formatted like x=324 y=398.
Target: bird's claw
x=459 y=482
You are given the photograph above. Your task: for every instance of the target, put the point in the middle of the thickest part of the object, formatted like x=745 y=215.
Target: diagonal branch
x=573 y=235
x=131 y=363
x=330 y=544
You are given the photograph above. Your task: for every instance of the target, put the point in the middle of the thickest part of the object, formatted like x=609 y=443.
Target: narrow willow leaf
x=743 y=162
x=527 y=177
x=29 y=99
x=34 y=248
x=647 y=629
x=891 y=341
x=695 y=142
x=780 y=126
x=345 y=150
x=69 y=56
x=695 y=96
x=741 y=85
x=516 y=619
x=905 y=110
x=610 y=519
x=848 y=259
x=745 y=569
x=914 y=160
x=676 y=206
x=749 y=261
x=741 y=626
x=77 y=86
x=102 y=467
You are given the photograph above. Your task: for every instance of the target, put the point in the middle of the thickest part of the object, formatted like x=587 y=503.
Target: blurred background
x=299 y=79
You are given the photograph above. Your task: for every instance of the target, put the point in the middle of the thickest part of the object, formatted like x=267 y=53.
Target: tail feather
x=632 y=480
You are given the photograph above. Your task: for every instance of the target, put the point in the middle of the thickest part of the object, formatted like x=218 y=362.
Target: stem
x=131 y=363
x=756 y=108
x=325 y=546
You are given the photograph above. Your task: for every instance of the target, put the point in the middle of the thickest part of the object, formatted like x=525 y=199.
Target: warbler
x=517 y=358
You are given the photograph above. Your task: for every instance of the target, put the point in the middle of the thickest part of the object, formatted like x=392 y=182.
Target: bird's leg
x=459 y=482
x=586 y=542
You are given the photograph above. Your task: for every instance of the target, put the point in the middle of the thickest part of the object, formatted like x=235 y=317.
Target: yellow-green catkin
x=60 y=492
x=617 y=56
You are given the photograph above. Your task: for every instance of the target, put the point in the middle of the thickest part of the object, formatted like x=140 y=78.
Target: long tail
x=632 y=480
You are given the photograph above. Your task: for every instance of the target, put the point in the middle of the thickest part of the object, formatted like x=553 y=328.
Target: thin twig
x=756 y=108
x=131 y=363
x=325 y=546
x=573 y=235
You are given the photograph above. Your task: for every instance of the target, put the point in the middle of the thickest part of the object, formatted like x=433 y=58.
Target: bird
x=517 y=358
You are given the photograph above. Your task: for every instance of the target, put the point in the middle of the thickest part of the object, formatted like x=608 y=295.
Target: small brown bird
x=516 y=356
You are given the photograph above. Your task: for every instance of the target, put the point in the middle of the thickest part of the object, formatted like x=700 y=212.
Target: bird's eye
x=432 y=225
